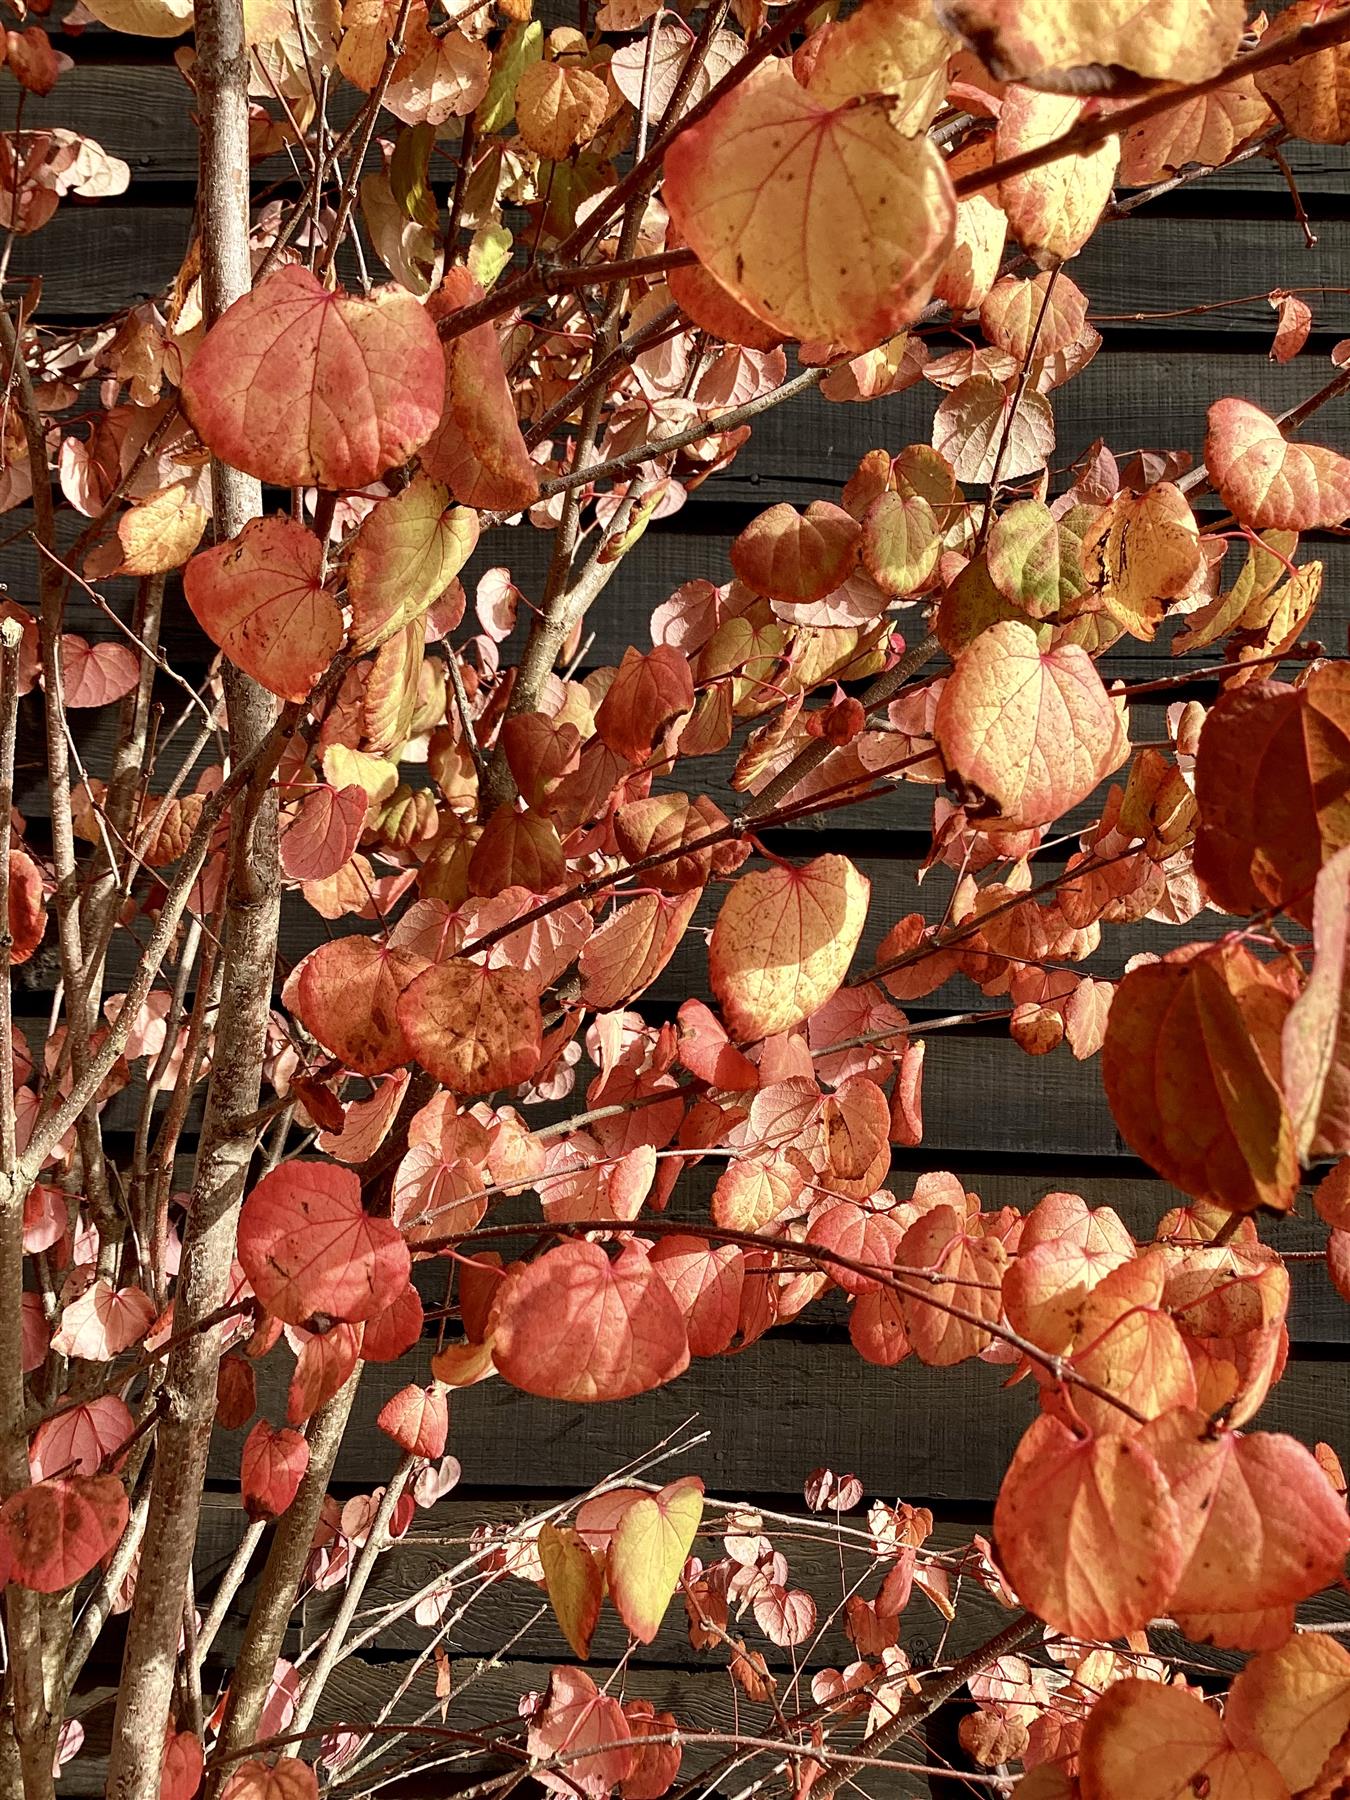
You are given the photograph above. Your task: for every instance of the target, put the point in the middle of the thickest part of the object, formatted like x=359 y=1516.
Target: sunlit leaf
x=1269 y=480
x=308 y=1246
x=261 y=597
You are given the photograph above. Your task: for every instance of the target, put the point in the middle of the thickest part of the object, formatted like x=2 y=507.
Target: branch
x=1094 y=131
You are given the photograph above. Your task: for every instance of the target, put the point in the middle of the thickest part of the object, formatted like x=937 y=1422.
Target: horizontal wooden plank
x=97 y=260
x=142 y=113
x=787 y=1405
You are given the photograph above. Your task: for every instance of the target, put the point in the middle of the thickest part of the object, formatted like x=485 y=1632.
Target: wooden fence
x=1012 y=1127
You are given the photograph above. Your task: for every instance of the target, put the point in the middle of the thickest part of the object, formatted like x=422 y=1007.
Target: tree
x=598 y=249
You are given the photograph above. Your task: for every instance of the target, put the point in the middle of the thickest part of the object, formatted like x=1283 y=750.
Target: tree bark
x=251 y=915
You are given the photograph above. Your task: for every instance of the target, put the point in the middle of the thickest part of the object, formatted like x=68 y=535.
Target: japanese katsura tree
x=529 y=275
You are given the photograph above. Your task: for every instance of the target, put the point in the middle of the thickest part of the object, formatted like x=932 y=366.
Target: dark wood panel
x=97 y=259
x=787 y=1405
x=142 y=114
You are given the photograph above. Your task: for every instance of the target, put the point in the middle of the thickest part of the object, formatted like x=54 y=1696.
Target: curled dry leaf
x=1312 y=94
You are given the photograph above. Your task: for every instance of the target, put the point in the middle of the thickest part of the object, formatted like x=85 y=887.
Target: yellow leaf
x=826 y=222
x=1052 y=211
x=648 y=1551
x=783 y=942
x=575 y=1584
x=1172 y=40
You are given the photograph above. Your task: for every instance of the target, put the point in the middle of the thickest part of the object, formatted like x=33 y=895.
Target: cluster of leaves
x=641 y=220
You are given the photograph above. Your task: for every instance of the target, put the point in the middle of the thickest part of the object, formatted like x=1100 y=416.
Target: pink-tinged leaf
x=788 y=555
x=272 y=1465
x=1268 y=481
x=475 y=1029
x=478 y=450
x=1026 y=733
x=572 y=1325
x=826 y=222
x=406 y=554
x=417 y=1419
x=1316 y=1037
x=706 y=1280
x=81 y=1439
x=96 y=674
x=347 y=993
x=648 y=1551
x=261 y=598
x=57 y=1531
x=103 y=1322
x=709 y=1054
x=1087 y=1531
x=1191 y=1067
x=575 y=1716
x=308 y=1247
x=322 y=1368
x=645 y=696
x=1052 y=211
x=783 y=942
x=305 y=387
x=285 y=1779
x=320 y=836
x=394 y=1331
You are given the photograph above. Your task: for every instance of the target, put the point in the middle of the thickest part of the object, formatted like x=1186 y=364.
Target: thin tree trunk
x=251 y=913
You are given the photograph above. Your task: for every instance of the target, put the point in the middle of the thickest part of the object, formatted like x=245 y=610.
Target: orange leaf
x=572 y=1325
x=285 y=1779
x=300 y=386
x=27 y=906
x=1266 y=480
x=308 y=1246
x=1028 y=733
x=1316 y=1038
x=973 y=1267
x=1260 y=1528
x=261 y=597
x=477 y=450
x=648 y=1551
x=654 y=1767
x=1150 y=1742
x=1311 y=94
x=473 y=1028
x=1052 y=211
x=1191 y=1067
x=1293 y=1704
x=783 y=942
x=628 y=952
x=347 y=992
x=575 y=1583
x=645 y=696
x=827 y=223
x=706 y=1280
x=1171 y=40
x=787 y=555
x=1272 y=779
x=1087 y=1531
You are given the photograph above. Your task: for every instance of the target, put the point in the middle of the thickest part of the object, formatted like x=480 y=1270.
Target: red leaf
x=261 y=597
x=576 y=1714
x=285 y=1779
x=181 y=1771
x=272 y=1465
x=81 y=1439
x=478 y=451
x=572 y=1325
x=57 y=1531
x=320 y=836
x=787 y=555
x=27 y=906
x=303 y=387
x=308 y=1247
x=347 y=994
